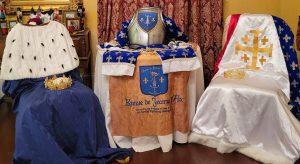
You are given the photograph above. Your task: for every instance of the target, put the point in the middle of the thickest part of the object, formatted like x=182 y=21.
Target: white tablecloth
x=146 y=143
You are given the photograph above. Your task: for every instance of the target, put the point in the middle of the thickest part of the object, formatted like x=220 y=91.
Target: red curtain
x=201 y=20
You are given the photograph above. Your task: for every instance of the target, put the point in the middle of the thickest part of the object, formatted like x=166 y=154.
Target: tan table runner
x=150 y=102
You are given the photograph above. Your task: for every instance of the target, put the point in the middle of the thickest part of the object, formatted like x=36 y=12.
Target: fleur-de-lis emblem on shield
x=153 y=81
x=147 y=20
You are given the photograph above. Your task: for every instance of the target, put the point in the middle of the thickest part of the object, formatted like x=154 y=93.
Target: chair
x=246 y=106
x=58 y=120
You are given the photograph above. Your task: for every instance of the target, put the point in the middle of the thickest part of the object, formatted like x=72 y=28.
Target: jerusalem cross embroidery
x=153 y=81
x=147 y=20
x=255 y=50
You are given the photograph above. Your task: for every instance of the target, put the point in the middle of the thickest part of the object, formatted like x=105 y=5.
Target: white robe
x=48 y=50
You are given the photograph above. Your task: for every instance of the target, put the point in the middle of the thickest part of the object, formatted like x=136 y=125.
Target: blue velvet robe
x=59 y=127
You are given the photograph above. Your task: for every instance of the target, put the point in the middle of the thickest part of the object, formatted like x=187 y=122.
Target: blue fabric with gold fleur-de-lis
x=286 y=38
x=122 y=35
x=115 y=56
x=130 y=57
x=173 y=33
x=176 y=53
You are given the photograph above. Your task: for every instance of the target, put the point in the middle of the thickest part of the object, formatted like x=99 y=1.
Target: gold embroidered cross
x=245 y=39
x=262 y=60
x=254 y=50
x=245 y=58
x=265 y=40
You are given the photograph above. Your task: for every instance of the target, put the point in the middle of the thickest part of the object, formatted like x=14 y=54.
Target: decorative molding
x=12 y=5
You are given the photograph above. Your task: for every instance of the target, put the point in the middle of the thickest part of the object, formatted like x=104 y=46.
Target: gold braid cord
x=58 y=83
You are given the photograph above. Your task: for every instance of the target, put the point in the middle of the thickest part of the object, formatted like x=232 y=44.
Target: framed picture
x=12 y=24
x=72 y=14
x=3 y=26
x=73 y=24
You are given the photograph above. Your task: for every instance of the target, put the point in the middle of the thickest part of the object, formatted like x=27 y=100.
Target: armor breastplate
x=147 y=27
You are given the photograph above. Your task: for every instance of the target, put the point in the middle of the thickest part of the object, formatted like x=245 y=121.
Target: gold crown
x=58 y=83
x=235 y=74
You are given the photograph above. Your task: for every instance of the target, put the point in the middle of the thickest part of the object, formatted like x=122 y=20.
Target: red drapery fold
x=232 y=25
x=200 y=19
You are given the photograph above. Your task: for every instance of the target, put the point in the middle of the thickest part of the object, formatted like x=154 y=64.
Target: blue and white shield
x=153 y=81
x=147 y=20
